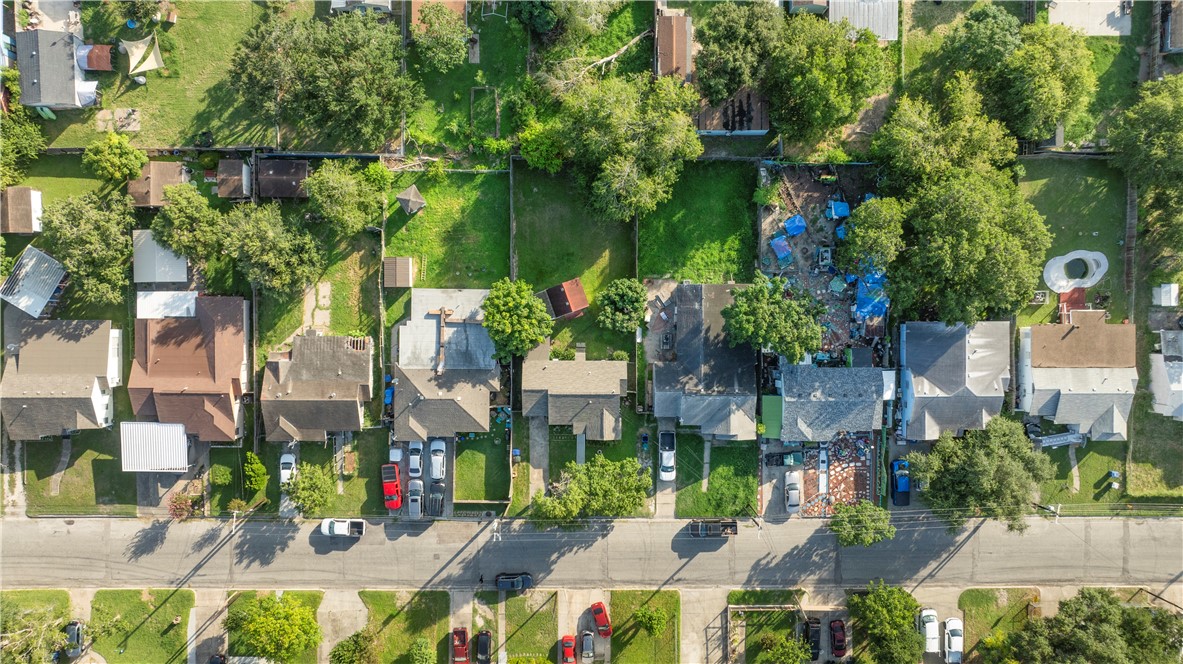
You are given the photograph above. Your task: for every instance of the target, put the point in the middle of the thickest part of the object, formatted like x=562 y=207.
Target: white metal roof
x=153 y=447
x=879 y=16
x=153 y=263
x=166 y=304
x=33 y=280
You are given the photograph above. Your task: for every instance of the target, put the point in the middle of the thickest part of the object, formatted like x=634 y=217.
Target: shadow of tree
x=147 y=540
x=258 y=542
x=208 y=538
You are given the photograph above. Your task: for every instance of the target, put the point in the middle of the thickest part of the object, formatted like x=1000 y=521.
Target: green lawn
x=519 y=501
x=751 y=597
x=706 y=232
x=532 y=624
x=363 y=489
x=400 y=617
x=14 y=602
x=558 y=239
x=93 y=482
x=142 y=624
x=189 y=95
x=236 y=646
x=59 y=176
x=461 y=239
x=630 y=642
x=1116 y=62
x=482 y=465
x=731 y=487
x=1094 y=460
x=1084 y=203
x=989 y=610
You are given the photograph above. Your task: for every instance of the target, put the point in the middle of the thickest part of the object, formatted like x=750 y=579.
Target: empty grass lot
x=143 y=624
x=236 y=644
x=461 y=239
x=557 y=239
x=1084 y=203
x=1094 y=461
x=531 y=624
x=191 y=94
x=233 y=458
x=705 y=233
x=482 y=465
x=363 y=489
x=632 y=644
x=990 y=610
x=731 y=486
x=620 y=27
x=400 y=617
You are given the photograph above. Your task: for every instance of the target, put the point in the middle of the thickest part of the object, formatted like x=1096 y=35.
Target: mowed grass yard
x=731 y=485
x=1094 y=461
x=236 y=643
x=1084 y=204
x=363 y=488
x=143 y=628
x=59 y=176
x=191 y=94
x=990 y=610
x=482 y=465
x=558 y=239
x=706 y=232
x=400 y=617
x=532 y=624
x=631 y=643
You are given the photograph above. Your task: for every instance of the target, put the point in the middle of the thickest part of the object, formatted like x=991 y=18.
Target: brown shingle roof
x=398 y=272
x=230 y=182
x=99 y=58
x=567 y=299
x=582 y=394
x=148 y=189
x=1088 y=341
x=16 y=210
x=675 y=38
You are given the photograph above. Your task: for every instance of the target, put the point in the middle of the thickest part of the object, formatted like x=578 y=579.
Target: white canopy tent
x=143 y=55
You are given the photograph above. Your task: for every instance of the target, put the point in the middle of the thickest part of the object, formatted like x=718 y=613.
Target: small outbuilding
x=147 y=191
x=35 y=283
x=411 y=200
x=282 y=178
x=234 y=179
x=674 y=43
x=166 y=304
x=153 y=263
x=94 y=57
x=398 y=272
x=153 y=447
x=20 y=211
x=567 y=300
x=1165 y=295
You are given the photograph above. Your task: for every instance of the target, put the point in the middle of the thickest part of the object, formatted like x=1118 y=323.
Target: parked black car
x=514 y=582
x=435 y=499
x=484 y=647
x=815 y=638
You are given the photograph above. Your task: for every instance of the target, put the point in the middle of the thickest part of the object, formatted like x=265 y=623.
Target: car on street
x=437 y=461
x=954 y=640
x=484 y=647
x=460 y=645
x=815 y=637
x=603 y=623
x=792 y=492
x=926 y=623
x=392 y=487
x=435 y=499
x=713 y=528
x=415 y=458
x=353 y=528
x=415 y=499
x=287 y=467
x=567 y=649
x=667 y=469
x=837 y=638
x=515 y=581
x=901 y=484
x=587 y=646
x=75 y=637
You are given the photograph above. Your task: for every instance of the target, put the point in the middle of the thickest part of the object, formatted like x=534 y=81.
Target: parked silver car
x=438 y=460
x=792 y=492
x=415 y=458
x=415 y=499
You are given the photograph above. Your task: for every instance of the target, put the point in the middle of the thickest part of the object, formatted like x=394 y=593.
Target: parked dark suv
x=515 y=582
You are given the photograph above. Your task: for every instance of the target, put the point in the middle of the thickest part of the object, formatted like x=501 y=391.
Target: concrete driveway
x=665 y=500
x=704 y=626
x=575 y=618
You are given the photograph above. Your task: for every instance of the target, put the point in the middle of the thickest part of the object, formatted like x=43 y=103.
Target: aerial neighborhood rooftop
x=545 y=284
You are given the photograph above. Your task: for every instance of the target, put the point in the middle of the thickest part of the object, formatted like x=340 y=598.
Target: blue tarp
x=837 y=210
x=795 y=225
x=872 y=298
x=841 y=232
x=781 y=246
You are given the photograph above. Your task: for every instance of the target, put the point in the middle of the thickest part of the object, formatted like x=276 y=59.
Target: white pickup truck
x=343 y=527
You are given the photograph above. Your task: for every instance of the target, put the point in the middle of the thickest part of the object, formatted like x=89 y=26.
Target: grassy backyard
x=558 y=239
x=400 y=617
x=59 y=176
x=531 y=624
x=633 y=644
x=482 y=465
x=1084 y=203
x=731 y=486
x=143 y=627
x=990 y=610
x=1115 y=62
x=461 y=239
x=191 y=94
x=237 y=646
x=705 y=233
x=620 y=27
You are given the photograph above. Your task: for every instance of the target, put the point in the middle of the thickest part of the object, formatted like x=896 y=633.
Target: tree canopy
x=1148 y=137
x=346 y=200
x=271 y=253
x=517 y=320
x=312 y=487
x=888 y=616
x=279 y=629
x=770 y=314
x=19 y=134
x=993 y=473
x=735 y=41
x=629 y=138
x=874 y=235
x=441 y=37
x=987 y=37
x=600 y=487
x=91 y=237
x=189 y=226
x=622 y=305
x=113 y=159
x=861 y=524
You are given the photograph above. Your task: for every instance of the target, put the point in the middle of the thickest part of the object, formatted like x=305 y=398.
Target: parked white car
x=438 y=460
x=287 y=467
x=415 y=458
x=926 y=622
x=792 y=492
x=954 y=640
x=667 y=456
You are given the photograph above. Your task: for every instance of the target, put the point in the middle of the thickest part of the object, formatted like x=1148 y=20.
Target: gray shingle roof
x=46 y=62
x=455 y=401
x=582 y=394
x=320 y=386
x=819 y=402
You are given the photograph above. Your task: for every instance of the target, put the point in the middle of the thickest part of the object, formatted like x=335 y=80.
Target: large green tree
x=874 y=234
x=1049 y=79
x=818 y=78
x=20 y=135
x=441 y=37
x=189 y=226
x=987 y=37
x=735 y=41
x=113 y=158
x=338 y=193
x=622 y=305
x=1148 y=137
x=91 y=237
x=516 y=319
x=992 y=473
x=278 y=629
x=768 y=314
x=600 y=487
x=312 y=487
x=629 y=138
x=861 y=524
x=887 y=615
x=271 y=253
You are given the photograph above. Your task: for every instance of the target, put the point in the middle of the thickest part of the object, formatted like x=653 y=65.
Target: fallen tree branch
x=610 y=58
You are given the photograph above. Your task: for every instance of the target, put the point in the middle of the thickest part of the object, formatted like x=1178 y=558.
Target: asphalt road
x=131 y=553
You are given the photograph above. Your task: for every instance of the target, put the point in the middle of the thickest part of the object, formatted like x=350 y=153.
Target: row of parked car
x=954 y=642
x=463 y=652
x=435 y=462
x=811 y=632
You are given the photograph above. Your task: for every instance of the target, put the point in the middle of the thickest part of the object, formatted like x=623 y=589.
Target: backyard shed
x=234 y=179
x=384 y=6
x=411 y=200
x=398 y=272
x=147 y=191
x=675 y=45
x=567 y=300
x=153 y=447
x=20 y=211
x=95 y=58
x=282 y=178
x=153 y=263
x=36 y=281
x=1165 y=295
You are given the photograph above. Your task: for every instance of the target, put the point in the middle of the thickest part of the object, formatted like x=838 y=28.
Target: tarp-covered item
x=837 y=210
x=795 y=225
x=411 y=200
x=840 y=232
x=872 y=298
x=143 y=55
x=837 y=285
x=781 y=246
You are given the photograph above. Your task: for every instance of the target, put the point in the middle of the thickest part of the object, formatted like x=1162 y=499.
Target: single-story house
x=152 y=263
x=881 y=17
x=820 y=403
x=581 y=394
x=61 y=378
x=1082 y=374
x=147 y=191
x=234 y=179
x=153 y=447
x=953 y=377
x=1166 y=375
x=566 y=300
x=20 y=211
x=35 y=283
x=398 y=272
x=322 y=384
x=383 y=6
x=710 y=386
x=282 y=178
x=444 y=372
x=674 y=43
x=50 y=74
x=193 y=371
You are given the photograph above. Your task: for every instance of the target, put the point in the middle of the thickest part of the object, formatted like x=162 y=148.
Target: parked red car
x=392 y=487
x=460 y=645
x=603 y=623
x=567 y=650
x=837 y=638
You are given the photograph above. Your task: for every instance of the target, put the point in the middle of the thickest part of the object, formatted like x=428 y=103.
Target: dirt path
x=55 y=482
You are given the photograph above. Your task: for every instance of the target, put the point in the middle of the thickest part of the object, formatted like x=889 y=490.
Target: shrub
x=422 y=652
x=255 y=473
x=653 y=619
x=180 y=506
x=435 y=171
x=562 y=353
x=620 y=355
x=377 y=175
x=236 y=505
x=220 y=475
x=622 y=306
x=768 y=195
x=357 y=648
